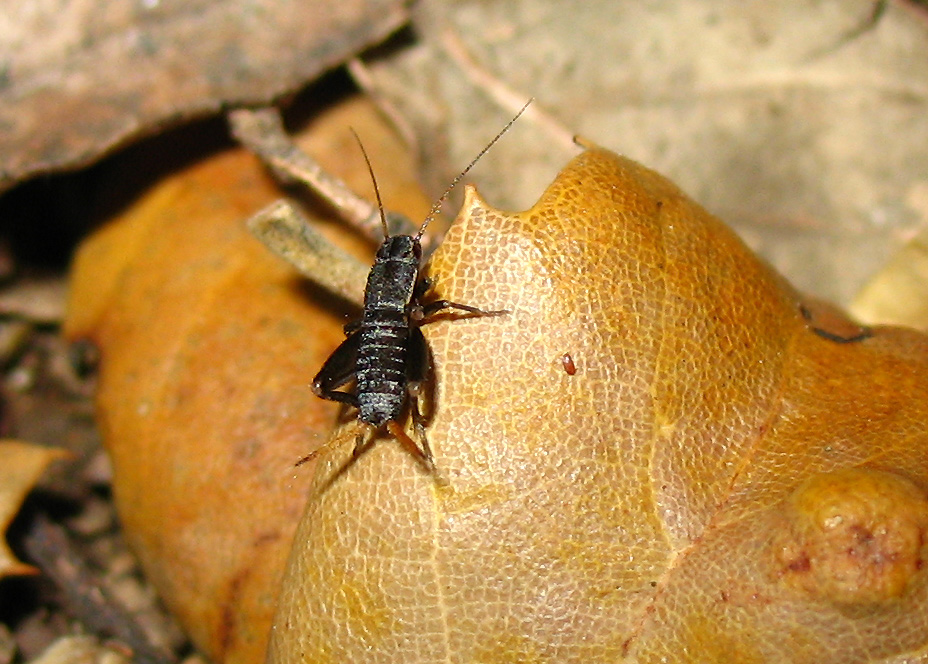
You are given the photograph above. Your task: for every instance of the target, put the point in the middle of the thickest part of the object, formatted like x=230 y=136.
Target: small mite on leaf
x=568 y=363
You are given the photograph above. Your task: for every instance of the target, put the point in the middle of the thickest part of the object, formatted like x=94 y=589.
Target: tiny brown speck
x=568 y=362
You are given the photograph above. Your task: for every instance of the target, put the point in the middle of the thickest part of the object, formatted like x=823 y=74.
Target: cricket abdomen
x=381 y=367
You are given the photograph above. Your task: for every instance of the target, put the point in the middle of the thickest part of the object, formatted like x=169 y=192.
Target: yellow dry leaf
x=208 y=346
x=21 y=465
x=898 y=294
x=721 y=472
x=80 y=650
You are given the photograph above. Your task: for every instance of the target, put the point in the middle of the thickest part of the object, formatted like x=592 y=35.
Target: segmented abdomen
x=381 y=366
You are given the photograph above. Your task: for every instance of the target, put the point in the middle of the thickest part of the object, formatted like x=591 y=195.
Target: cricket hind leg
x=418 y=364
x=338 y=370
x=426 y=458
x=368 y=436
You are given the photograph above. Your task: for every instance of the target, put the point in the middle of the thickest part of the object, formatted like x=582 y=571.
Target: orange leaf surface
x=721 y=471
x=208 y=345
x=200 y=329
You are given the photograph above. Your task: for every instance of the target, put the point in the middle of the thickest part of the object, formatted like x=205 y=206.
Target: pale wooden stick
x=262 y=131
x=284 y=230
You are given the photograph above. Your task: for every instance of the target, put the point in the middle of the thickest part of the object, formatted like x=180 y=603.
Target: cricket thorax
x=392 y=280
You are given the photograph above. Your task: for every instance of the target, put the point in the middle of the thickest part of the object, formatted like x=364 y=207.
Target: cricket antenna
x=436 y=208
x=370 y=169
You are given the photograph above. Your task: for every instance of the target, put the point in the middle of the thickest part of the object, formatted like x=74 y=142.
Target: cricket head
x=399 y=247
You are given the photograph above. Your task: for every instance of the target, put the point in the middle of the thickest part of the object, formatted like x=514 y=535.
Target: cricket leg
x=437 y=306
x=424 y=456
x=417 y=369
x=338 y=370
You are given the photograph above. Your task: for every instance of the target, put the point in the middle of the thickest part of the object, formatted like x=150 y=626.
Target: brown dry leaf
x=727 y=473
x=898 y=294
x=803 y=123
x=208 y=345
x=78 y=77
x=21 y=465
x=80 y=650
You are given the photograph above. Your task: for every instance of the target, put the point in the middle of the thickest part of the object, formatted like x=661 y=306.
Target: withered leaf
x=802 y=124
x=722 y=477
x=898 y=293
x=81 y=76
x=21 y=464
x=208 y=345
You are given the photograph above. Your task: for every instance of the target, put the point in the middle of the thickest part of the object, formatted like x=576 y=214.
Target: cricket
x=384 y=359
